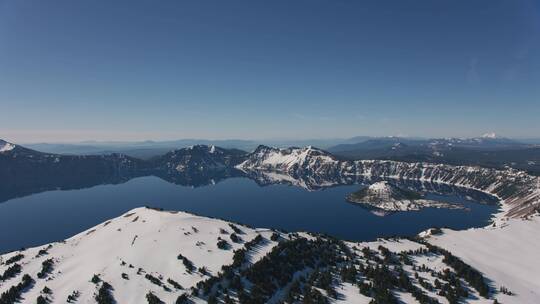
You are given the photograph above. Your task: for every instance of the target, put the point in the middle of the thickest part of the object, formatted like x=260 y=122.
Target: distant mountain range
x=486 y=142
x=487 y=151
x=347 y=146
x=149 y=149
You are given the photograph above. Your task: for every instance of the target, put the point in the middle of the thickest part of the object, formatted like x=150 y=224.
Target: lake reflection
x=55 y=215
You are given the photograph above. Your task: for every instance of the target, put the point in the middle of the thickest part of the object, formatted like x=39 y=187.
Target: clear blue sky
x=129 y=70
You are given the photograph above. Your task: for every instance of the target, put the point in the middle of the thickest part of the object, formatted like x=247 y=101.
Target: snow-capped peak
x=490 y=135
x=285 y=160
x=380 y=186
x=5 y=146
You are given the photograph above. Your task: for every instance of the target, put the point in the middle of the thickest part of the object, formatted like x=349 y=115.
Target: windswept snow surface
x=509 y=255
x=147 y=239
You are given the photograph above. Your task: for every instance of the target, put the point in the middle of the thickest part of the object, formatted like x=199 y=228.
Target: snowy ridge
x=5 y=146
x=144 y=251
x=142 y=241
x=295 y=161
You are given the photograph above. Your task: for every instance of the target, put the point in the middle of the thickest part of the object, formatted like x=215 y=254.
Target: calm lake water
x=56 y=215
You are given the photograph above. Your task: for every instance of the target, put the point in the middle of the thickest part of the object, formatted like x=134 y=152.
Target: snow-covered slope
x=139 y=243
x=149 y=254
x=388 y=197
x=508 y=255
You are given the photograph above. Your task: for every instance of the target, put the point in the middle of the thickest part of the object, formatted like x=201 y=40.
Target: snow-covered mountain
x=386 y=196
x=198 y=165
x=6 y=146
x=486 y=141
x=144 y=250
x=153 y=256
x=294 y=161
x=491 y=135
x=200 y=158
x=11 y=150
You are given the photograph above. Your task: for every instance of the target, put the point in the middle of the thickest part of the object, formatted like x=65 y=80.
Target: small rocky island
x=387 y=197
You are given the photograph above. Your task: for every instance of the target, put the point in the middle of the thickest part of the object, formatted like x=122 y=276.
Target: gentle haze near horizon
x=138 y=70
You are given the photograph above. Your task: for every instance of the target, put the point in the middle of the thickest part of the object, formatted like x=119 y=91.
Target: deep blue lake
x=55 y=215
